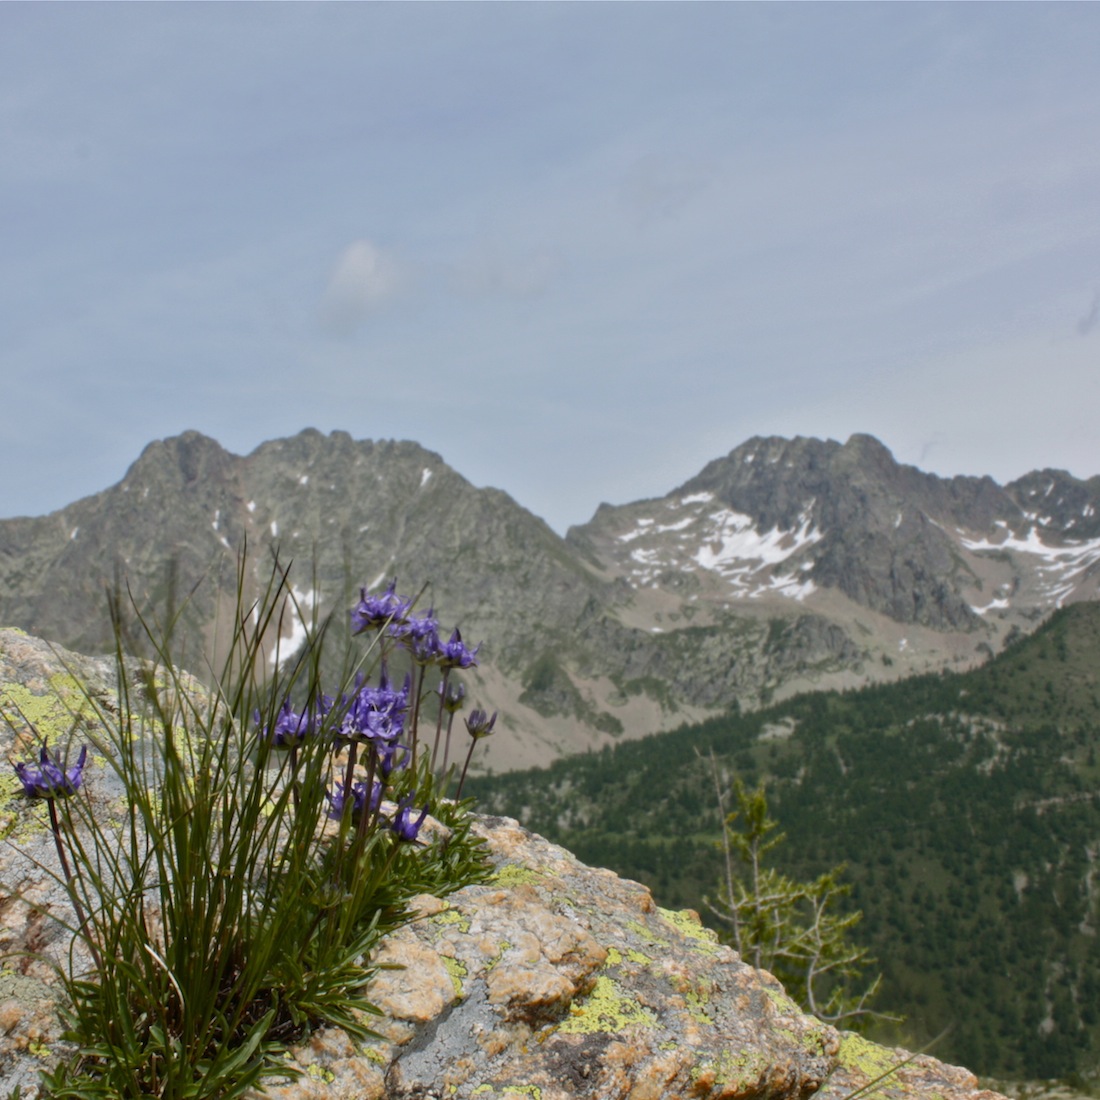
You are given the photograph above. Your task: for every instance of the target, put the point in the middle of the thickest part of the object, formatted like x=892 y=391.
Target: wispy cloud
x=364 y=279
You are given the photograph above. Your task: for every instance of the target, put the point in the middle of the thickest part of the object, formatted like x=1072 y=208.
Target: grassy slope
x=963 y=804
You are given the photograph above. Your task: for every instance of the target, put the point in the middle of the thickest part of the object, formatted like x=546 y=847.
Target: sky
x=577 y=249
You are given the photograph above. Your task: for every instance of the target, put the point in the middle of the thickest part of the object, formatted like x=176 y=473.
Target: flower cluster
x=290 y=819
x=419 y=634
x=377 y=724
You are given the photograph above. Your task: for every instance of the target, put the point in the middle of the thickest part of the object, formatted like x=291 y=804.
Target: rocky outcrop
x=552 y=980
x=556 y=980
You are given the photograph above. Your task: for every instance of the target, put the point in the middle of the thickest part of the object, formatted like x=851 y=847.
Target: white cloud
x=364 y=279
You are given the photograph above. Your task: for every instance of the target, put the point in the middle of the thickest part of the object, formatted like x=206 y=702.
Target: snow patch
x=274 y=530
x=251 y=506
x=73 y=533
x=1062 y=566
x=724 y=542
x=304 y=479
x=425 y=474
x=993 y=605
x=297 y=604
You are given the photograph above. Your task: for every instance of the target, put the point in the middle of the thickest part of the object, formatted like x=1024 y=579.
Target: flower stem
x=55 y=826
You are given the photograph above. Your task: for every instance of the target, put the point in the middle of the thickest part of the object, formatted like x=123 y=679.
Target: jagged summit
x=791 y=518
x=784 y=565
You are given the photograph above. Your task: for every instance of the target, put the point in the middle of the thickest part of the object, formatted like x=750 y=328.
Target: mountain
x=802 y=521
x=787 y=565
x=966 y=809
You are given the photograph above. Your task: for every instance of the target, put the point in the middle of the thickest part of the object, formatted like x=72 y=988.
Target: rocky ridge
x=787 y=565
x=799 y=518
x=552 y=980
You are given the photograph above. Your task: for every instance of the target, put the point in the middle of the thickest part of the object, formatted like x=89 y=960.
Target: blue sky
x=577 y=249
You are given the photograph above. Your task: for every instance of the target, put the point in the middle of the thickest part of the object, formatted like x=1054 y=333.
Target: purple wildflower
x=338 y=800
x=388 y=759
x=374 y=612
x=377 y=713
x=454 y=653
x=403 y=824
x=479 y=724
x=451 y=698
x=50 y=779
x=420 y=636
x=290 y=728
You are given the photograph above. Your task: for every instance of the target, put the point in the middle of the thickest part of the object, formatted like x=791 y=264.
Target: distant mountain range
x=786 y=565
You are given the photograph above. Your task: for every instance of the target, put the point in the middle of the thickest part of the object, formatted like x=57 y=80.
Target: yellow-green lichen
x=646 y=934
x=501 y=948
x=51 y=715
x=457 y=971
x=689 y=925
x=867 y=1058
x=615 y=957
x=606 y=1009
x=481 y=1090
x=373 y=1054
x=697 y=1008
x=515 y=874
x=740 y=1069
x=319 y=1073
x=452 y=916
x=782 y=1001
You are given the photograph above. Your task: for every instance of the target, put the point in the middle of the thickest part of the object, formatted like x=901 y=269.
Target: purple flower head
x=479 y=724
x=456 y=654
x=338 y=800
x=420 y=636
x=374 y=612
x=290 y=728
x=388 y=759
x=453 y=699
x=403 y=824
x=377 y=712
x=50 y=779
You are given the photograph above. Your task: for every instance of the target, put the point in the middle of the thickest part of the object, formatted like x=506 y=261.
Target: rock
x=551 y=980
x=559 y=980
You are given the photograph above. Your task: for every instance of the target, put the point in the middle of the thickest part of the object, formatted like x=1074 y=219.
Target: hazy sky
x=577 y=249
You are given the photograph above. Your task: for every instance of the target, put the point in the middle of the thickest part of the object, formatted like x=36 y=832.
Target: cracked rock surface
x=559 y=980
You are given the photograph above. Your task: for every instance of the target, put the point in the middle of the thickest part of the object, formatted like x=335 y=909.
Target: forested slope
x=965 y=806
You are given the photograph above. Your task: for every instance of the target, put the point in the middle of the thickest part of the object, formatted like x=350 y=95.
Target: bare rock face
x=551 y=980
x=558 y=980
